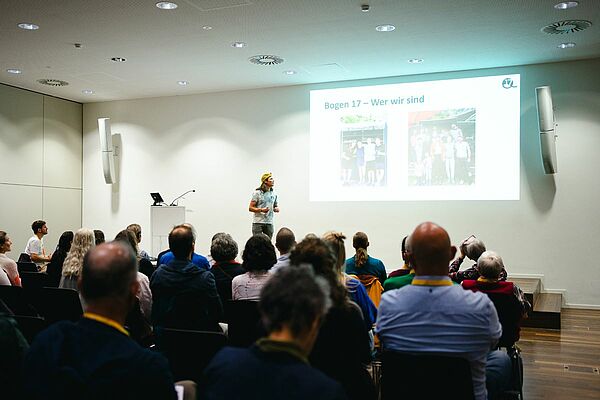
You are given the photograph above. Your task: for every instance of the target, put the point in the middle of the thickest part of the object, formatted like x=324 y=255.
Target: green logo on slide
x=508 y=83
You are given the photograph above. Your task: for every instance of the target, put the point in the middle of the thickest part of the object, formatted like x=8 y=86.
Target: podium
x=162 y=220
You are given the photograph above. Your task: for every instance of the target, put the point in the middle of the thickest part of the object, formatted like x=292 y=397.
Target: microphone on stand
x=177 y=198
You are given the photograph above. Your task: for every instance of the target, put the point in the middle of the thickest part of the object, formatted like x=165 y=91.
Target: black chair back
x=24 y=257
x=244 y=325
x=33 y=280
x=189 y=352
x=56 y=304
x=30 y=326
x=26 y=266
x=4 y=309
x=16 y=299
x=431 y=376
x=509 y=314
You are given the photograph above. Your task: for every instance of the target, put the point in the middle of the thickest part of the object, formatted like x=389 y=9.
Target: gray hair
x=490 y=265
x=474 y=248
x=294 y=298
x=223 y=248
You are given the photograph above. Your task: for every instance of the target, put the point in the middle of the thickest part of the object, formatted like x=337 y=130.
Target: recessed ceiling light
x=166 y=5
x=568 y=45
x=238 y=45
x=87 y=91
x=415 y=60
x=13 y=71
x=385 y=28
x=118 y=59
x=207 y=27
x=183 y=83
x=28 y=26
x=566 y=5
x=290 y=72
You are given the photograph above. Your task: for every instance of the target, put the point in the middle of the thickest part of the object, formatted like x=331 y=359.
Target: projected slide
x=439 y=140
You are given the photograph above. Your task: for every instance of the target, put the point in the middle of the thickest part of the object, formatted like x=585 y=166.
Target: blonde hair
x=336 y=241
x=83 y=241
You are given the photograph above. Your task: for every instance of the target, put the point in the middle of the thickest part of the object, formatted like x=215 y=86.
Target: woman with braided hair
x=363 y=264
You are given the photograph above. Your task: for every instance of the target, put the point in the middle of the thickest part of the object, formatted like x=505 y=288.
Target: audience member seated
x=410 y=320
x=35 y=245
x=12 y=348
x=197 y=259
x=83 y=241
x=8 y=265
x=362 y=263
x=405 y=268
x=508 y=298
x=55 y=267
x=356 y=290
x=223 y=251
x=137 y=231
x=292 y=304
x=285 y=242
x=95 y=358
x=398 y=281
x=99 y=236
x=472 y=248
x=145 y=294
x=342 y=349
x=184 y=296
x=4 y=281
x=257 y=258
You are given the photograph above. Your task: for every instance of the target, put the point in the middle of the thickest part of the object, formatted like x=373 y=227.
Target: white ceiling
x=323 y=40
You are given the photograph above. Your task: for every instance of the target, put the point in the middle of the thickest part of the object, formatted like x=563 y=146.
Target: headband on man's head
x=265 y=176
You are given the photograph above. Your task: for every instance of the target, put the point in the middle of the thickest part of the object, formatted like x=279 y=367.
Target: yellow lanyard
x=486 y=280
x=106 y=321
x=432 y=282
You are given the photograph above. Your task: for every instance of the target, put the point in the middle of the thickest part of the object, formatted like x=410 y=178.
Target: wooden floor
x=563 y=364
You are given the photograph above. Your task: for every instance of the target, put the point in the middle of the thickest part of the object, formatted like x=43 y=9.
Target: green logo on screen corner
x=508 y=83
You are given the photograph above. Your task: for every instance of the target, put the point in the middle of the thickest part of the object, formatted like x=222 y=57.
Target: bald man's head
x=108 y=272
x=431 y=250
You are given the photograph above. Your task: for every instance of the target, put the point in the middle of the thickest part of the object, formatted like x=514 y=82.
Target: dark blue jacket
x=91 y=360
x=248 y=374
x=185 y=296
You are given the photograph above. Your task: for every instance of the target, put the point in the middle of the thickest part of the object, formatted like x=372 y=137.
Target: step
x=546 y=312
x=531 y=287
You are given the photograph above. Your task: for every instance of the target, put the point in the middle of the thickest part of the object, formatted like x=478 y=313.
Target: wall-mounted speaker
x=106 y=150
x=547 y=126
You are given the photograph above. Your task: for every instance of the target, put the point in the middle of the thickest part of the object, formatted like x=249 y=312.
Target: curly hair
x=83 y=241
x=223 y=248
x=259 y=254
x=318 y=253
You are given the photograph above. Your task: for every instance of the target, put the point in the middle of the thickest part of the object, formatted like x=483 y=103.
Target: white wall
x=221 y=143
x=40 y=165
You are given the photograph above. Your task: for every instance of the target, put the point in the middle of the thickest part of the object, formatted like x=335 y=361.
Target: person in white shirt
x=8 y=266
x=258 y=257
x=35 y=244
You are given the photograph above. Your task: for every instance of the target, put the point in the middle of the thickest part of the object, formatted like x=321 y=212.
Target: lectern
x=162 y=220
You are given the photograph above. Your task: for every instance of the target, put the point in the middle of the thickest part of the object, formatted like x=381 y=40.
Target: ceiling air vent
x=568 y=26
x=266 y=60
x=52 y=82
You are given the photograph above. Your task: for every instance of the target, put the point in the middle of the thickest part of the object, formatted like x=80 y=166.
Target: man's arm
x=252 y=208
x=35 y=257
